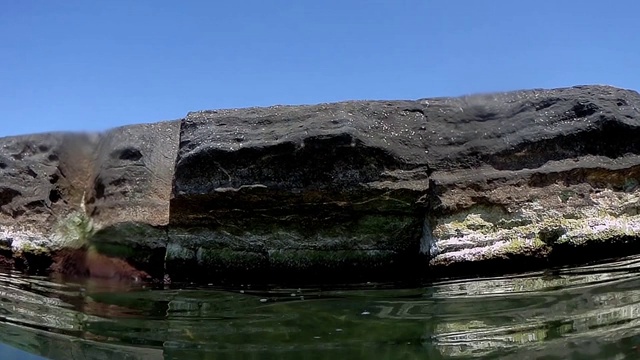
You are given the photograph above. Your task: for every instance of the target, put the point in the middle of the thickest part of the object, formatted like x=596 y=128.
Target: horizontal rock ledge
x=343 y=192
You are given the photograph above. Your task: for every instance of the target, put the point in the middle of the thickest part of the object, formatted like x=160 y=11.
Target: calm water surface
x=590 y=312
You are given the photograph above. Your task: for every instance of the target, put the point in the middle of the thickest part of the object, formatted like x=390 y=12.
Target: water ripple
x=587 y=312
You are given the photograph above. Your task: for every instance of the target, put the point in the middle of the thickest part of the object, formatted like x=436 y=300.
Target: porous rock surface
x=42 y=181
x=350 y=191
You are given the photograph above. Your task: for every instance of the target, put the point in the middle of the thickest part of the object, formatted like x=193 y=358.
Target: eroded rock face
x=129 y=193
x=42 y=185
x=321 y=190
x=133 y=173
x=352 y=191
x=83 y=194
x=551 y=175
x=527 y=175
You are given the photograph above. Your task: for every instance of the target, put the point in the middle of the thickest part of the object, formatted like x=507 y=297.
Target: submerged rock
x=351 y=191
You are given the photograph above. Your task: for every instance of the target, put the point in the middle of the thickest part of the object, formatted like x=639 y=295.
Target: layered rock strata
x=351 y=191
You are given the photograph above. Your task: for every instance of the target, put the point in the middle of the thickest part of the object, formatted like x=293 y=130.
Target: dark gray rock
x=536 y=175
x=314 y=190
x=462 y=180
x=351 y=191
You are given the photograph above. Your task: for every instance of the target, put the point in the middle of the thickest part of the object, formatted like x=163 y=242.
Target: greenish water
x=590 y=312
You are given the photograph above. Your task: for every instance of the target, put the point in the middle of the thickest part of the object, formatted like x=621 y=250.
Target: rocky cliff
x=351 y=191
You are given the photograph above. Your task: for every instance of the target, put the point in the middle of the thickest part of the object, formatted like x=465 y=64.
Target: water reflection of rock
x=57 y=346
x=498 y=315
x=559 y=314
x=58 y=321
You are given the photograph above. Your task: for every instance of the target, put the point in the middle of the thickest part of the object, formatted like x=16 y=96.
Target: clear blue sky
x=92 y=65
